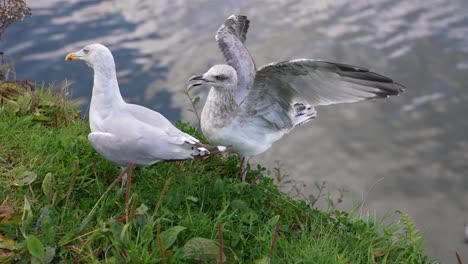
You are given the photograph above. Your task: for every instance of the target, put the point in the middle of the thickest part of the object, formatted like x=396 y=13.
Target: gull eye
x=86 y=51
x=220 y=77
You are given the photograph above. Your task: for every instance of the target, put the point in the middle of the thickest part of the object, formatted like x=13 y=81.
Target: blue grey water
x=408 y=153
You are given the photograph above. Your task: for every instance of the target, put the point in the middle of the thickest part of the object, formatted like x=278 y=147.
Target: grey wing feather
x=230 y=38
x=236 y=25
x=324 y=83
x=278 y=86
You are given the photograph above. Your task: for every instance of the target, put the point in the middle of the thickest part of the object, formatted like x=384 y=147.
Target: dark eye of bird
x=86 y=51
x=221 y=77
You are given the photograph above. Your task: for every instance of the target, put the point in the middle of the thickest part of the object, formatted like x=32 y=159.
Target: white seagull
x=250 y=109
x=128 y=133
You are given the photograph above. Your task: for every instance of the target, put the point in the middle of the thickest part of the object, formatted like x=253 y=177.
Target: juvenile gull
x=250 y=109
x=128 y=133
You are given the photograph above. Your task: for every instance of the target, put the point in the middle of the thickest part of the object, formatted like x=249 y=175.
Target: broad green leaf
x=195 y=100
x=24 y=102
x=27 y=215
x=142 y=209
x=273 y=221
x=240 y=205
x=192 y=198
x=109 y=260
x=58 y=196
x=202 y=249
x=169 y=236
x=47 y=185
x=248 y=216
x=49 y=255
x=219 y=185
x=41 y=118
x=45 y=103
x=11 y=107
x=25 y=178
x=35 y=246
x=264 y=260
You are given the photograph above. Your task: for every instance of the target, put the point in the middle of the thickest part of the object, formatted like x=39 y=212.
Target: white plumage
x=128 y=133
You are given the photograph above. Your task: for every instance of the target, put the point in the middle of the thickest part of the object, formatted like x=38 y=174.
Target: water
x=408 y=153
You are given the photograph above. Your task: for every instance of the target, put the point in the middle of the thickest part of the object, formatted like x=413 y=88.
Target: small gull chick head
x=218 y=76
x=93 y=55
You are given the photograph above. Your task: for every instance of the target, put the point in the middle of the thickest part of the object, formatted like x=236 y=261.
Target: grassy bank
x=53 y=206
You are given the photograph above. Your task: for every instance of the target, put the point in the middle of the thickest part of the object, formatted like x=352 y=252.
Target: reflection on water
x=421 y=100
x=417 y=142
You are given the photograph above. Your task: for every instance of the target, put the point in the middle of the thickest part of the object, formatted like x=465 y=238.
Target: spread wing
x=230 y=38
x=281 y=88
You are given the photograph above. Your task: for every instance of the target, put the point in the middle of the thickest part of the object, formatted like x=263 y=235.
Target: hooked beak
x=197 y=80
x=72 y=56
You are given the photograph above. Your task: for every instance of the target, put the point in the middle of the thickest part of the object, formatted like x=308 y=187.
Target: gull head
x=218 y=76
x=93 y=55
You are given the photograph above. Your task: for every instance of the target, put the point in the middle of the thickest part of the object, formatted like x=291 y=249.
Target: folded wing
x=159 y=123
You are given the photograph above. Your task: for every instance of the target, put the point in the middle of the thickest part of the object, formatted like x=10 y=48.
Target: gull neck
x=106 y=97
x=220 y=107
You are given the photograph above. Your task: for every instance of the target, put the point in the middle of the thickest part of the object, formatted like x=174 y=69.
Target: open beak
x=72 y=56
x=197 y=80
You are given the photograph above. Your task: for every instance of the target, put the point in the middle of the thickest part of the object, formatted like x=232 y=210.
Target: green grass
x=51 y=179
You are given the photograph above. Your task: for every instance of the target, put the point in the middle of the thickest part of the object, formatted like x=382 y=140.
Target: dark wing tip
x=387 y=85
x=354 y=74
x=401 y=87
x=236 y=25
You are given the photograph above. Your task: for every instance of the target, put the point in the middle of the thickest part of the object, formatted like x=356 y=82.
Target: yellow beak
x=71 y=56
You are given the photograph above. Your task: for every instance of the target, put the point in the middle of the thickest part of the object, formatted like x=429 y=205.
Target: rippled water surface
x=408 y=153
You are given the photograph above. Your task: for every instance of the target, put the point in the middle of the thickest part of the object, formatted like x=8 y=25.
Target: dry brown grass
x=12 y=11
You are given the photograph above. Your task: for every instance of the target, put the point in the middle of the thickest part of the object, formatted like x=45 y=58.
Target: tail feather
x=200 y=150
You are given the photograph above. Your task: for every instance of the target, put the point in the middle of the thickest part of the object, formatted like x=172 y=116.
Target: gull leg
x=244 y=174
x=124 y=182
x=243 y=168
x=127 y=192
x=119 y=178
x=127 y=171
